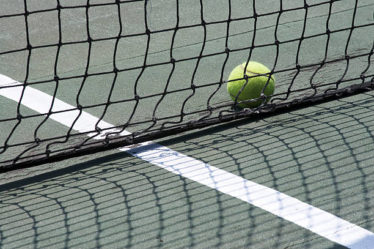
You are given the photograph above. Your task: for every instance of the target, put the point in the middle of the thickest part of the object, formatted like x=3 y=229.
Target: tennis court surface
x=117 y=130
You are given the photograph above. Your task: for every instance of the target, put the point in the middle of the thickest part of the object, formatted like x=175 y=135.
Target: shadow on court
x=320 y=155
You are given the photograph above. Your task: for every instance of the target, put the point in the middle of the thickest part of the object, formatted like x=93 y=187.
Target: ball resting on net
x=258 y=80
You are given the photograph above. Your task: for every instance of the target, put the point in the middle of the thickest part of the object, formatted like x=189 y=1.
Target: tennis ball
x=255 y=85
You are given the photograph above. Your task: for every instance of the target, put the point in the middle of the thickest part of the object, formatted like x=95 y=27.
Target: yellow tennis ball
x=253 y=86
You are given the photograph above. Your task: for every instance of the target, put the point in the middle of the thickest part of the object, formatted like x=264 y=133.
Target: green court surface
x=320 y=155
x=39 y=65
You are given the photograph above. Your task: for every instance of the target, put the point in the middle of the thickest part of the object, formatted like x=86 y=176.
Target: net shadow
x=319 y=155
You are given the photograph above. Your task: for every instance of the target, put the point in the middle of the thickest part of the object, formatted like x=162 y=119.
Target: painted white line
x=41 y=103
x=302 y=214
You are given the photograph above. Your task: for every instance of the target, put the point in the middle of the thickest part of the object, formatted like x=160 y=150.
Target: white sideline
x=302 y=214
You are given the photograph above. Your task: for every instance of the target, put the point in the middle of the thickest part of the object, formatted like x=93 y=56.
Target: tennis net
x=154 y=68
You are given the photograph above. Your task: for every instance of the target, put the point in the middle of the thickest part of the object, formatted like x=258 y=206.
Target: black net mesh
x=154 y=68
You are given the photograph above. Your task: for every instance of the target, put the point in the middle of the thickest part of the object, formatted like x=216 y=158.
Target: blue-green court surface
x=302 y=179
x=319 y=155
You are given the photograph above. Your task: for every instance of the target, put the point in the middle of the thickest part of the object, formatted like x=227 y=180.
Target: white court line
x=302 y=214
